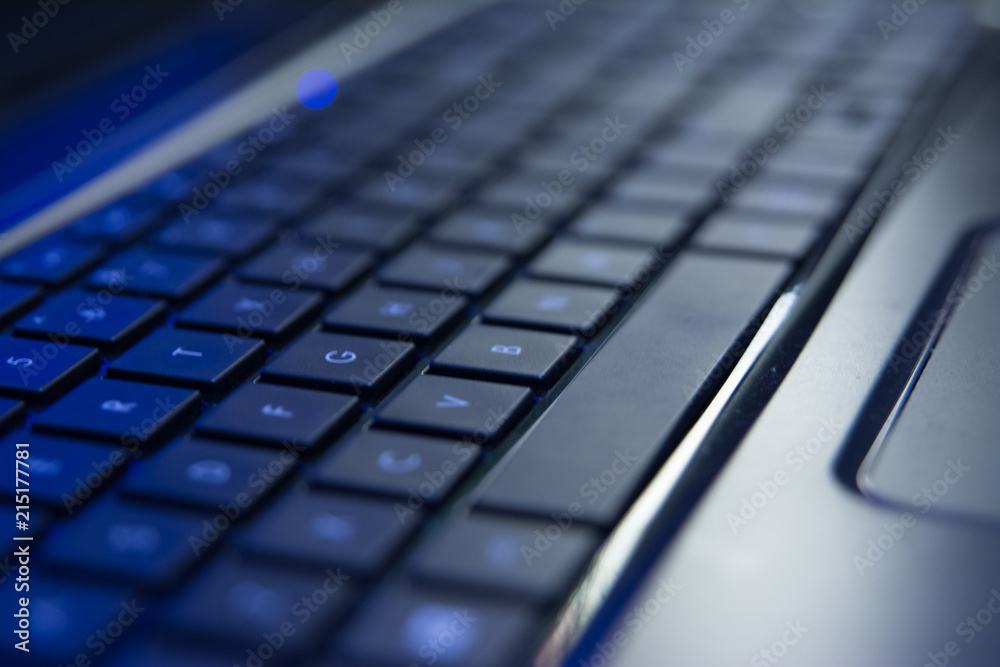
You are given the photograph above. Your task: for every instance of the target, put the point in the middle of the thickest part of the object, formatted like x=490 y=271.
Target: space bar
x=593 y=447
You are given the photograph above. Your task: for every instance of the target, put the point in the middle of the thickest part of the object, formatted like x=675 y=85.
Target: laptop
x=573 y=333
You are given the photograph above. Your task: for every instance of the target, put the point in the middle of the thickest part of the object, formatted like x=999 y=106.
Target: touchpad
x=941 y=452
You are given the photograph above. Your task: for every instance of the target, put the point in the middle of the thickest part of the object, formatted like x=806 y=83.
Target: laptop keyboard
x=277 y=409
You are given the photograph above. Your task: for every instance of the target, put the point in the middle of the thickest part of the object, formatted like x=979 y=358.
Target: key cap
x=553 y=306
x=381 y=311
x=39 y=371
x=248 y=310
x=110 y=322
x=401 y=626
x=511 y=190
x=234 y=236
x=52 y=263
x=125 y=543
x=659 y=227
x=324 y=529
x=770 y=238
x=798 y=195
x=576 y=460
x=596 y=263
x=65 y=473
x=206 y=474
x=63 y=617
x=504 y=354
x=490 y=228
x=378 y=226
x=273 y=193
x=159 y=274
x=121 y=412
x=694 y=189
x=11 y=412
x=417 y=468
x=335 y=362
x=482 y=411
x=208 y=362
x=505 y=556
x=15 y=300
x=323 y=267
x=271 y=414
x=424 y=267
x=240 y=604
x=426 y=190
x=122 y=222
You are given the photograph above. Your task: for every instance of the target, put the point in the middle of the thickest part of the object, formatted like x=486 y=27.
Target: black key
x=209 y=474
x=15 y=300
x=40 y=371
x=426 y=190
x=248 y=310
x=123 y=412
x=242 y=605
x=378 y=226
x=699 y=149
x=208 y=362
x=64 y=616
x=382 y=311
x=417 y=468
x=553 y=307
x=365 y=366
x=126 y=543
x=65 y=473
x=156 y=273
x=323 y=266
x=274 y=194
x=596 y=263
x=51 y=262
x=756 y=236
x=216 y=235
x=523 y=193
x=110 y=322
x=122 y=222
x=271 y=415
x=491 y=228
x=325 y=529
x=527 y=560
x=503 y=354
x=10 y=412
x=482 y=411
x=400 y=626
x=575 y=459
x=659 y=227
x=792 y=194
x=425 y=267
x=694 y=189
